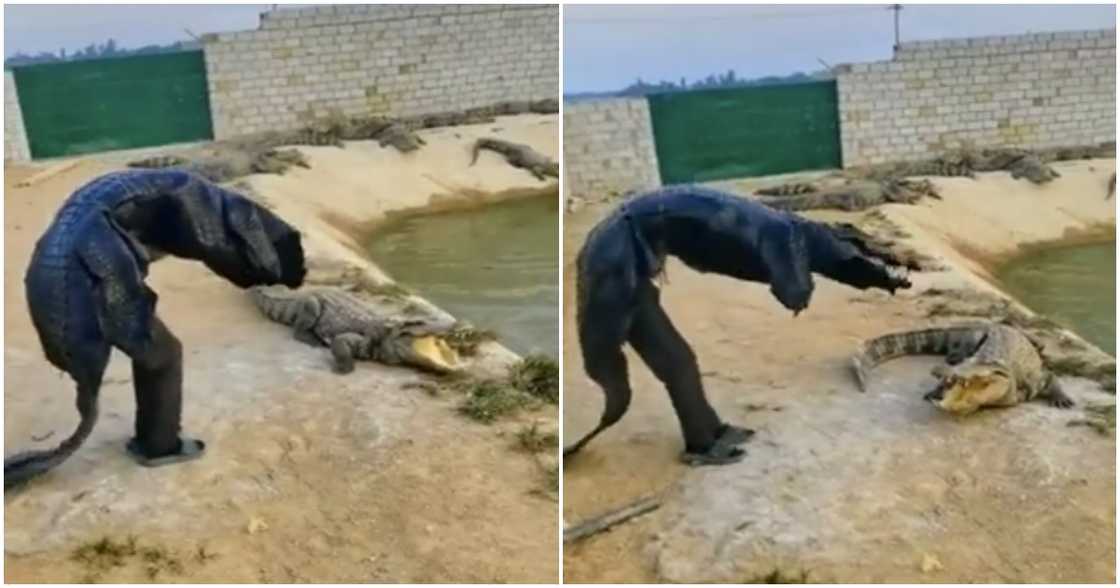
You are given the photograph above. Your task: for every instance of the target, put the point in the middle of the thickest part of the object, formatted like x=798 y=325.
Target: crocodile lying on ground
x=791 y=189
x=852 y=196
x=332 y=131
x=224 y=168
x=988 y=365
x=884 y=246
x=354 y=329
x=966 y=162
x=258 y=153
x=518 y=155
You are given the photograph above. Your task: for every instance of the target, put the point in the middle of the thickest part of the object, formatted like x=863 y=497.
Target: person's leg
x=707 y=439
x=157 y=375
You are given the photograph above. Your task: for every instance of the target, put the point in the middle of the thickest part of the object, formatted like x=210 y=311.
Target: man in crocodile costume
x=710 y=231
x=86 y=293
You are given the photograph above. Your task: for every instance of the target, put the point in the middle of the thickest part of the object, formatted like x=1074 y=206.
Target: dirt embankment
x=310 y=476
x=839 y=485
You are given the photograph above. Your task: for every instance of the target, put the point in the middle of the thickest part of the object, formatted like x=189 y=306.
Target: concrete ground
x=310 y=476
x=838 y=485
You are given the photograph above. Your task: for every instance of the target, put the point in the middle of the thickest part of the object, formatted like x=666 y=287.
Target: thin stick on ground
x=605 y=521
x=49 y=173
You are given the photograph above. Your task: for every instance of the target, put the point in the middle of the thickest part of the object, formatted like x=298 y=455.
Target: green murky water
x=494 y=266
x=1075 y=286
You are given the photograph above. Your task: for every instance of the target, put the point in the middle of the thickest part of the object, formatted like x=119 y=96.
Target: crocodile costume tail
x=937 y=341
x=26 y=465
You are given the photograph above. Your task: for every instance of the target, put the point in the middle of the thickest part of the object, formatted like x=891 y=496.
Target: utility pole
x=897 y=8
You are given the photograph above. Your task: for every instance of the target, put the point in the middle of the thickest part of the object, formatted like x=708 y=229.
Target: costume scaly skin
x=710 y=231
x=86 y=293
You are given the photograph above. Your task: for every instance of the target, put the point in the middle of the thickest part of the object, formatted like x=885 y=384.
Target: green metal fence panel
x=104 y=104
x=744 y=132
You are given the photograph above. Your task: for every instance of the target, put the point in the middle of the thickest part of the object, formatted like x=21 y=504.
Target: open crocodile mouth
x=437 y=353
x=967 y=394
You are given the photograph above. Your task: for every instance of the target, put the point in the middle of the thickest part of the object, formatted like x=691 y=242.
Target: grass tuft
x=531 y=439
x=529 y=382
x=537 y=375
x=105 y=553
x=488 y=400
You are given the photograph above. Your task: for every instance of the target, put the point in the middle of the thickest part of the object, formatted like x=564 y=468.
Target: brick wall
x=379 y=59
x=608 y=148
x=15 y=136
x=1037 y=90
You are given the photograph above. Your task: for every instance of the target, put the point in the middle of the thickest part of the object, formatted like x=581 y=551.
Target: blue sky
x=608 y=47
x=50 y=27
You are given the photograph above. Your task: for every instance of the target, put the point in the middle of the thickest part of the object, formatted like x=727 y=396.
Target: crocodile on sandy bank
x=354 y=329
x=518 y=155
x=258 y=153
x=228 y=166
x=851 y=196
x=988 y=365
x=228 y=159
x=872 y=240
x=791 y=189
x=867 y=186
x=1021 y=163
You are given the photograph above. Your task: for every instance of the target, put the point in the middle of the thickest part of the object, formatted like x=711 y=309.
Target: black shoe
x=718 y=454
x=733 y=435
x=189 y=449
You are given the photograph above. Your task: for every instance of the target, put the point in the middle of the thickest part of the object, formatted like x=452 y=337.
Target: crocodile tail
x=936 y=341
x=26 y=465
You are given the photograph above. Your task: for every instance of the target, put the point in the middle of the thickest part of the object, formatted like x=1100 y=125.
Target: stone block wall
x=302 y=64
x=608 y=148
x=1030 y=91
x=15 y=136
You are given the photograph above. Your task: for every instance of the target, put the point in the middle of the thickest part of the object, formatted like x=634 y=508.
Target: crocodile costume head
x=967 y=388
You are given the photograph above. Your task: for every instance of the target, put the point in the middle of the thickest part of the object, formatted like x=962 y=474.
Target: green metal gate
x=743 y=132
x=104 y=104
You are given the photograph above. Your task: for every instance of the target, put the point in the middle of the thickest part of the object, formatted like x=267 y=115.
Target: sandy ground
x=310 y=476
x=838 y=485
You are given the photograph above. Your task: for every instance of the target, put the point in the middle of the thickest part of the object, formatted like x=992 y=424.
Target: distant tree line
x=713 y=81
x=108 y=49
